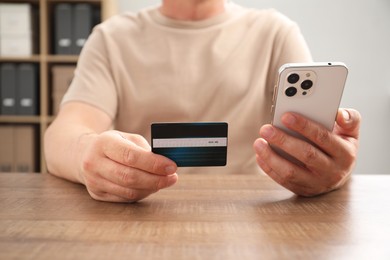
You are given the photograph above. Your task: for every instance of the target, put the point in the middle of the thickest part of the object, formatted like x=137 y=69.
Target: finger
x=306 y=153
x=103 y=189
x=108 y=197
x=316 y=133
x=130 y=177
x=258 y=145
x=284 y=172
x=100 y=188
x=348 y=122
x=127 y=153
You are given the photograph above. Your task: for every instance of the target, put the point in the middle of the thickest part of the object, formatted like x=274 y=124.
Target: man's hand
x=120 y=167
x=114 y=166
x=326 y=166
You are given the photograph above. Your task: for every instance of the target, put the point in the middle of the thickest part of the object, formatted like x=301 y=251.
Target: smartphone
x=313 y=90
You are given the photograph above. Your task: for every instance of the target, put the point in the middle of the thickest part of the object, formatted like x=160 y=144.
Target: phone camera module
x=291 y=91
x=306 y=84
x=293 y=78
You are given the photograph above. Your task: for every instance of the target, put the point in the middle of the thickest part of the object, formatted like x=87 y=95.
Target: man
x=190 y=61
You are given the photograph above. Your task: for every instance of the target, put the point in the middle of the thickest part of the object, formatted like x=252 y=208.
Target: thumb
x=348 y=122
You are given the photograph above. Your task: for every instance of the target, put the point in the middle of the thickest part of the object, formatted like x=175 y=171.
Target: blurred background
x=356 y=32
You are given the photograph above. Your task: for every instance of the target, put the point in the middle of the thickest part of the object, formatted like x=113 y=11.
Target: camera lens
x=293 y=78
x=306 y=84
x=291 y=91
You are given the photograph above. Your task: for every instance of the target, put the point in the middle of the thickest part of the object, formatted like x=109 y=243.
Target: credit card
x=191 y=144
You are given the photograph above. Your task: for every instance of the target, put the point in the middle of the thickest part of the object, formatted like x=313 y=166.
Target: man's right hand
x=120 y=167
x=114 y=166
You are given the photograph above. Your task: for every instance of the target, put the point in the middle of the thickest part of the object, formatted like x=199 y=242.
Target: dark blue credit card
x=191 y=144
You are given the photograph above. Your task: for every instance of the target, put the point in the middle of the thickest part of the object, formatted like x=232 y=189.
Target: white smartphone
x=313 y=90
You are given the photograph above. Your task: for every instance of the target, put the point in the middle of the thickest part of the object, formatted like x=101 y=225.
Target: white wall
x=356 y=32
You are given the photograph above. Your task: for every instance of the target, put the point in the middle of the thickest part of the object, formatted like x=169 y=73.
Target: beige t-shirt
x=144 y=67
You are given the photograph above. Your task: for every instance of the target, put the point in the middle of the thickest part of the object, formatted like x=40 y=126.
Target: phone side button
x=272 y=109
x=274 y=94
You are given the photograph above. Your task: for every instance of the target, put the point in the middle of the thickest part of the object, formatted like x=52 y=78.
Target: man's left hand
x=327 y=165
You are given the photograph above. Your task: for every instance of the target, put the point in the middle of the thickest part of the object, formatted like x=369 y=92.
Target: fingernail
x=346 y=115
x=172 y=180
x=169 y=181
x=267 y=132
x=260 y=145
x=289 y=119
x=170 y=169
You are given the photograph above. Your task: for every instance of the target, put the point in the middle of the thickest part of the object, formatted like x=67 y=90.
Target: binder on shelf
x=96 y=16
x=27 y=89
x=15 y=18
x=8 y=89
x=21 y=34
x=62 y=76
x=16 y=29
x=16 y=45
x=82 y=26
x=17 y=149
x=63 y=19
x=6 y=148
x=24 y=141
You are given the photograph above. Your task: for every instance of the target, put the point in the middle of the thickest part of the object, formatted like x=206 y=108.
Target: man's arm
x=66 y=137
x=114 y=166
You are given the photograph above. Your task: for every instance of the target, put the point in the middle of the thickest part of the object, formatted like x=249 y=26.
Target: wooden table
x=214 y=216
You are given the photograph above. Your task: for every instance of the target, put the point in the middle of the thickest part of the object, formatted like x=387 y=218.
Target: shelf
x=62 y=58
x=20 y=1
x=76 y=1
x=33 y=58
x=45 y=61
x=20 y=119
x=38 y=58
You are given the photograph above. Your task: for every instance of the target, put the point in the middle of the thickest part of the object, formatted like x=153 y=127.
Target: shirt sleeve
x=93 y=82
x=290 y=47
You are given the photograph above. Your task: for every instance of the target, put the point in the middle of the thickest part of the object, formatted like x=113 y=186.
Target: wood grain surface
x=213 y=216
